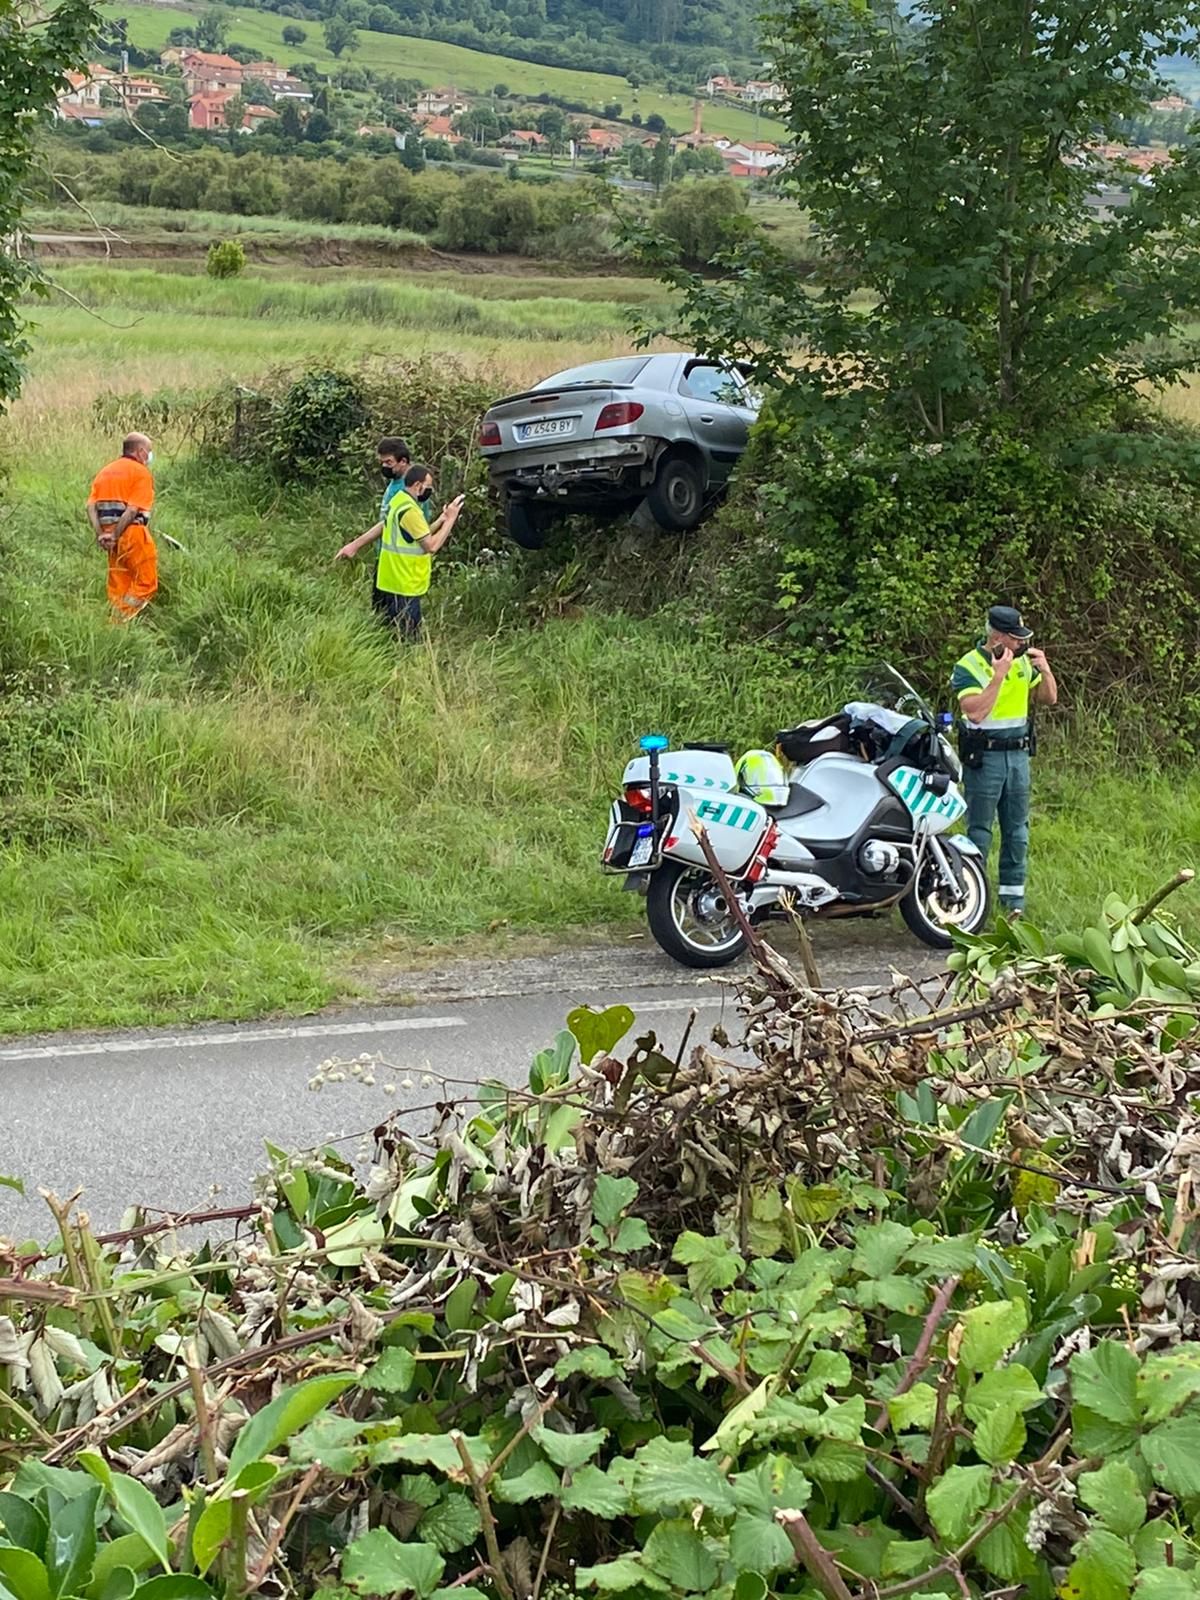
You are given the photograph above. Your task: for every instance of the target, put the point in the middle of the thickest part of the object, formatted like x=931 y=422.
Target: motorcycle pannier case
x=705 y=782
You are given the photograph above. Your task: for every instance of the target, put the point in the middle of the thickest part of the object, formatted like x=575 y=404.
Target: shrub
x=226 y=259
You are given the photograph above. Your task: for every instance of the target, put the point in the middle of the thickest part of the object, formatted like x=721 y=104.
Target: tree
x=340 y=35
x=291 y=120
x=294 y=34
x=212 y=29
x=36 y=47
x=655 y=123
x=613 y=110
x=226 y=259
x=948 y=159
x=500 y=91
x=235 y=113
x=660 y=163
x=703 y=218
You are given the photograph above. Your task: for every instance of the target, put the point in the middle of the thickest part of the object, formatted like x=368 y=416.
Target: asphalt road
x=176 y=1120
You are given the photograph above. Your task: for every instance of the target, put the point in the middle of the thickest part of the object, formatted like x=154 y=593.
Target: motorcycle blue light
x=653 y=741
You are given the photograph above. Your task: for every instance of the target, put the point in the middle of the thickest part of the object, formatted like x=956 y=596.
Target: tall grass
x=146 y=220
x=205 y=813
x=391 y=304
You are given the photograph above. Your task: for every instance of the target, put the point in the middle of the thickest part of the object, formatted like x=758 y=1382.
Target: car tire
x=526 y=523
x=676 y=497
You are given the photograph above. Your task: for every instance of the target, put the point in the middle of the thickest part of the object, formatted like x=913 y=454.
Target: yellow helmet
x=761 y=775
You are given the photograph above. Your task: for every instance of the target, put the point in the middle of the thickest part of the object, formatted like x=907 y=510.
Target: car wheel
x=676 y=498
x=526 y=523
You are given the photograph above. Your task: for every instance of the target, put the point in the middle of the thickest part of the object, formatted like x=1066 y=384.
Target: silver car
x=666 y=429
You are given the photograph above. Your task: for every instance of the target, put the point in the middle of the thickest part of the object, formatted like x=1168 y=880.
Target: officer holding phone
x=996 y=683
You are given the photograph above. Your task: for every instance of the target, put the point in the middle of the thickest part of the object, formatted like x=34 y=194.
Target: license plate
x=550 y=429
x=644 y=848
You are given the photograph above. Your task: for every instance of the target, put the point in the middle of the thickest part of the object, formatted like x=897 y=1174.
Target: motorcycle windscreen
x=735 y=825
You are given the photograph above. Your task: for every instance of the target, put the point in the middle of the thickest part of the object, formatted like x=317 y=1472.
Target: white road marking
x=195 y=1041
x=697 y=1003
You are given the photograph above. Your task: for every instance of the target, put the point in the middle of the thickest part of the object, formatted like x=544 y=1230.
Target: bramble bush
x=906 y=1306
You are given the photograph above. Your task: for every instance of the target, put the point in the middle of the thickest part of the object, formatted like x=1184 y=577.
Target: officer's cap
x=1007 y=619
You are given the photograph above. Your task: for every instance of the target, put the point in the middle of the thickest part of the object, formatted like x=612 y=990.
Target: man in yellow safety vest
x=406 y=550
x=995 y=684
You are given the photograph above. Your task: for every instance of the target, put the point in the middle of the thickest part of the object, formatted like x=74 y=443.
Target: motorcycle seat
x=799 y=803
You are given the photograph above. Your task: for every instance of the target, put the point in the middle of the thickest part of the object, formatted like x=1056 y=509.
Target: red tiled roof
x=204 y=59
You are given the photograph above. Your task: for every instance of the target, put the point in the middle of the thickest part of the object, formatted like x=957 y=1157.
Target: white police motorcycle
x=859 y=825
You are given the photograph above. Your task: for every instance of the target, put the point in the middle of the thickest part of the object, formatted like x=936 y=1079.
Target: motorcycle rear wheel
x=932 y=916
x=689 y=918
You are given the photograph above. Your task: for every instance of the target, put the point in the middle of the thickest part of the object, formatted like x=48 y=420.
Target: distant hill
x=657 y=38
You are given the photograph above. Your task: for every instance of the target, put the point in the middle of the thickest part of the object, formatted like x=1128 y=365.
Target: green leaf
x=1165 y=1382
x=377 y=1563
x=896 y=1293
x=136 y=1506
x=1167 y=1583
x=538 y=1482
x=429 y=1450
x=570 y=1450
x=71 y=1544
x=626 y=1572
x=1013 y=1386
x=210 y=1532
x=1004 y=1552
x=286 y=1414
x=460 y=1305
x=598 y=1032
x=592 y=1362
x=903 y=1557
x=670 y=1475
x=759 y=1544
x=119 y=1585
x=595 y=1491
x=916 y=1409
x=737 y=1425
x=348 y=1242
x=129 y=1550
x=393 y=1372
x=677 y=1553
x=1116 y=1497
x=633 y=1234
x=1000 y=1435
x=711 y=1263
x=750 y=1586
x=7 y=1182
x=612 y=1197
x=881 y=1248
x=1103 y=1569
x=1104 y=1380
x=1172 y=1452
x=560 y=1125
x=1151 y=1540
x=24 y=1575
x=174 y=1586
x=990 y=1331
x=451 y=1524
x=23 y=1523
x=956 y=1499
x=333 y=1441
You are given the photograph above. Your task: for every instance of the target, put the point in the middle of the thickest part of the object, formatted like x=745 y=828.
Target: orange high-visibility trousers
x=132 y=571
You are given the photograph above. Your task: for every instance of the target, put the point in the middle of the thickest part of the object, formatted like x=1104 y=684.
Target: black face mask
x=386 y=473
x=425 y=494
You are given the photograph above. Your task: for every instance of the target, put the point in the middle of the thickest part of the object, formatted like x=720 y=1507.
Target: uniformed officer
x=995 y=683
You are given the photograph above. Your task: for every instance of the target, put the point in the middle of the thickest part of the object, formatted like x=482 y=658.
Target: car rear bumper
x=583 y=467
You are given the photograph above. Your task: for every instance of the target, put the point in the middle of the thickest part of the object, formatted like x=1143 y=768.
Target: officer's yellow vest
x=404 y=568
x=1010 y=714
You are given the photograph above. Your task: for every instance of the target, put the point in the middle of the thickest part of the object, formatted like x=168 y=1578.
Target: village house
x=439 y=103
x=206 y=113
x=1171 y=103
x=756 y=157
x=436 y=127
x=716 y=86
x=204 y=72
x=523 y=139
x=601 y=142
x=760 y=94
x=83 y=89
x=264 y=69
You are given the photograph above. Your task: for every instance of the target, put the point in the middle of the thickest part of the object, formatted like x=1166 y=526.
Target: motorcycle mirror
x=651 y=742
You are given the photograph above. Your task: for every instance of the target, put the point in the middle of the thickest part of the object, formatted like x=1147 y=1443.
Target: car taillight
x=489 y=434
x=639 y=799
x=619 y=415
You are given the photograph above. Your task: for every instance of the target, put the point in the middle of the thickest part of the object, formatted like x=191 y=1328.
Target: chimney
x=698 y=122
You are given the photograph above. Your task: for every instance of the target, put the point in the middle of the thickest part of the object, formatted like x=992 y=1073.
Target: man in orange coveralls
x=119 y=509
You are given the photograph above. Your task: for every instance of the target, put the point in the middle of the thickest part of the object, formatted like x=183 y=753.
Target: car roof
x=646 y=368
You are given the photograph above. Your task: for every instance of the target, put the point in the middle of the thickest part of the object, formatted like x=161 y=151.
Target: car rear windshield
x=624 y=369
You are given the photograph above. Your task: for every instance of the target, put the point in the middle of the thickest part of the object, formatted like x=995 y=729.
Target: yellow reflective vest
x=404 y=568
x=1009 y=717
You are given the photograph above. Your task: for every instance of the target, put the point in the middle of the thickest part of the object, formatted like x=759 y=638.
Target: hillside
x=437 y=64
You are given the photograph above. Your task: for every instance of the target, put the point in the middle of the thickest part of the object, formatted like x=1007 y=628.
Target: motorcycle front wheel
x=689 y=916
x=931 y=912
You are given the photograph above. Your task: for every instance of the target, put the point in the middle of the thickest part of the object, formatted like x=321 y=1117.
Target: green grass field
x=443 y=65
x=220 y=811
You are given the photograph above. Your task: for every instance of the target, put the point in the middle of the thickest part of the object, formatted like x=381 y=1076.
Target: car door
x=720 y=408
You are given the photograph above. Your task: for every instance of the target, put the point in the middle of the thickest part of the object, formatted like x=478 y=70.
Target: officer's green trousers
x=998 y=791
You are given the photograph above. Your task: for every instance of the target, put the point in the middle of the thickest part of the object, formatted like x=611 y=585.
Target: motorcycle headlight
x=950 y=757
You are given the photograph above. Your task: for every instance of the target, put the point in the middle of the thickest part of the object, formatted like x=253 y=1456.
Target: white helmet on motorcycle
x=761 y=775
